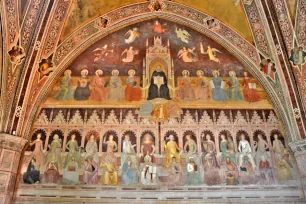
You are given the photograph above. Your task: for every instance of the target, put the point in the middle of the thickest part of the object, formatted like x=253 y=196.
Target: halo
x=85 y=71
x=188 y=73
x=67 y=71
x=99 y=71
x=115 y=71
x=200 y=72
x=215 y=72
x=131 y=72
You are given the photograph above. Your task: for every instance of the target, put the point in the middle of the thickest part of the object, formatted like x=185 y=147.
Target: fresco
x=158 y=59
x=82 y=12
x=158 y=104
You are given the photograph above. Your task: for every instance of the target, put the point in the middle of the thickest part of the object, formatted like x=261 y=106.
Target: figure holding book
x=202 y=91
x=99 y=91
x=159 y=85
x=185 y=91
x=217 y=86
x=249 y=89
x=233 y=91
x=116 y=92
x=132 y=90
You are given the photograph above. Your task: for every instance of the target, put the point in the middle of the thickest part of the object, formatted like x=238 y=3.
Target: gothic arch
x=243 y=51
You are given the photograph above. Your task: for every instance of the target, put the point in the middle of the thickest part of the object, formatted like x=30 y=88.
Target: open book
x=252 y=85
x=212 y=85
x=158 y=80
x=223 y=84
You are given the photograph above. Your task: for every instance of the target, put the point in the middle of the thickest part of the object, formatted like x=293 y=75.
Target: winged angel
x=101 y=53
x=183 y=35
x=211 y=52
x=132 y=34
x=187 y=55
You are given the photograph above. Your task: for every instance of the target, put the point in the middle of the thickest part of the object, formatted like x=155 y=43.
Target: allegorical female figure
x=38 y=150
x=71 y=172
x=233 y=91
x=66 y=90
x=209 y=150
x=159 y=85
x=190 y=146
x=185 y=92
x=249 y=89
x=171 y=149
x=224 y=144
x=82 y=92
x=147 y=148
x=91 y=147
x=54 y=153
x=217 y=86
x=99 y=91
x=202 y=91
x=73 y=148
x=111 y=144
x=116 y=92
x=132 y=90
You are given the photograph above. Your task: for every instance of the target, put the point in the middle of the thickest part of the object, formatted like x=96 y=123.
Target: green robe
x=66 y=91
x=234 y=92
x=73 y=152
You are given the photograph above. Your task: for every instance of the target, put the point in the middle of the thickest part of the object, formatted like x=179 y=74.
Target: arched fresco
x=157 y=103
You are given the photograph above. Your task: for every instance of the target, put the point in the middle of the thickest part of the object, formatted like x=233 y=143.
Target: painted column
x=10 y=151
x=299 y=150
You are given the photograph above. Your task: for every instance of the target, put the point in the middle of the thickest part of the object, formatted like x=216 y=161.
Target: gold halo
x=188 y=73
x=84 y=71
x=131 y=72
x=99 y=71
x=115 y=70
x=200 y=72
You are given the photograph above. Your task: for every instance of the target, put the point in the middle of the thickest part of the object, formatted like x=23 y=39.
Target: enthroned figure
x=110 y=175
x=147 y=147
x=171 y=149
x=159 y=85
x=149 y=172
x=132 y=90
x=82 y=92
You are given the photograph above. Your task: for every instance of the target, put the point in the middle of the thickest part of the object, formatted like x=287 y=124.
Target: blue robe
x=129 y=175
x=32 y=175
x=218 y=93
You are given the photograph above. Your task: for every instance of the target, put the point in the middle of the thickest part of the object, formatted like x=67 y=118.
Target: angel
x=133 y=34
x=101 y=53
x=187 y=54
x=211 y=52
x=158 y=28
x=183 y=35
x=130 y=53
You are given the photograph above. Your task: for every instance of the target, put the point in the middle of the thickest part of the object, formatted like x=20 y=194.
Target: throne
x=158 y=54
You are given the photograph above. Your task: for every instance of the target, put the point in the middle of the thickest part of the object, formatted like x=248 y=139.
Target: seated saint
x=99 y=90
x=147 y=148
x=159 y=85
x=31 y=176
x=171 y=149
x=51 y=174
x=250 y=93
x=193 y=173
x=132 y=90
x=129 y=173
x=66 y=90
x=217 y=86
x=82 y=92
x=175 y=177
x=202 y=91
x=110 y=175
x=90 y=175
x=186 y=92
x=233 y=90
x=116 y=91
x=149 y=172
x=71 y=172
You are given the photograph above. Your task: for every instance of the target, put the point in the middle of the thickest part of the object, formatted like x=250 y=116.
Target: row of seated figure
x=177 y=167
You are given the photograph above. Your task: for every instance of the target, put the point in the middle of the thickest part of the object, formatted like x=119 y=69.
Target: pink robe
x=186 y=91
x=38 y=154
x=98 y=92
x=202 y=91
x=90 y=175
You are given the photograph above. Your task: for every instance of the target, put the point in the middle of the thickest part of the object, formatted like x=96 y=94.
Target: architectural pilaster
x=299 y=150
x=10 y=151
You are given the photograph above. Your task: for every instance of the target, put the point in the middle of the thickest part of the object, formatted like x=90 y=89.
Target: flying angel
x=211 y=52
x=130 y=53
x=101 y=53
x=187 y=55
x=132 y=34
x=183 y=35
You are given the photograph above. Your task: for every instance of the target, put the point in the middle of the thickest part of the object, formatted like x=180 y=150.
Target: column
x=10 y=151
x=299 y=150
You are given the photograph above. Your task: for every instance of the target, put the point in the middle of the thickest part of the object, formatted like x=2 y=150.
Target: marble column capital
x=12 y=142
x=298 y=147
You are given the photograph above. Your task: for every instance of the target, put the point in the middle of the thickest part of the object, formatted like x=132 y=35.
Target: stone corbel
x=12 y=142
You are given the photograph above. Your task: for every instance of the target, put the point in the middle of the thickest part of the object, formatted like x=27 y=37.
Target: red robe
x=250 y=95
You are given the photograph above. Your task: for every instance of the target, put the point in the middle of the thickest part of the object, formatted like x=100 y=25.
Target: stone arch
x=243 y=51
